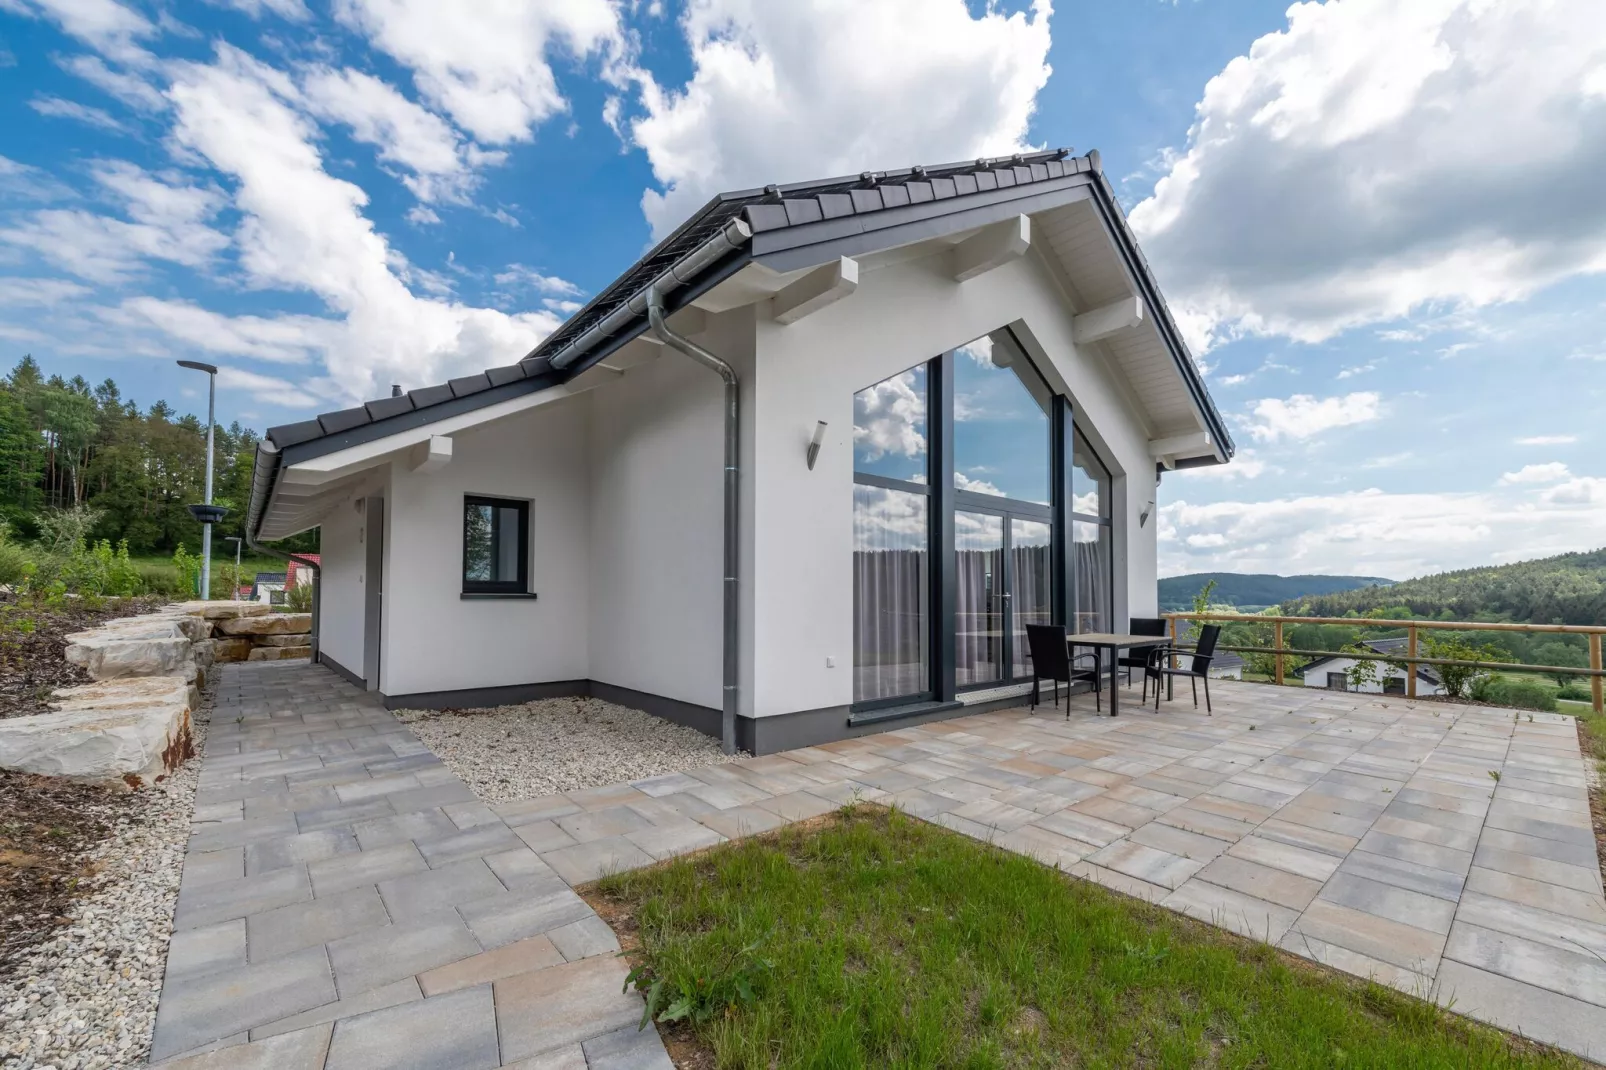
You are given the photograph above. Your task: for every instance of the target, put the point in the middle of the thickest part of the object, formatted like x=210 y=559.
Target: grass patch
x=872 y=939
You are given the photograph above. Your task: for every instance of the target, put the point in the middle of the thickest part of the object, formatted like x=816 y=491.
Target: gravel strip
x=558 y=744
x=85 y=998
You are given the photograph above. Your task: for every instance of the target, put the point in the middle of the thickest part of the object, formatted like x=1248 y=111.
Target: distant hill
x=1569 y=589
x=1244 y=589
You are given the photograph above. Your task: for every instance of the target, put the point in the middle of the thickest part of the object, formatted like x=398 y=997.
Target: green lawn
x=878 y=940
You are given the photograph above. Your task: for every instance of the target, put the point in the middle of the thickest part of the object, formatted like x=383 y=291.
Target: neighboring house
x=1333 y=673
x=955 y=390
x=268 y=587
x=1227 y=666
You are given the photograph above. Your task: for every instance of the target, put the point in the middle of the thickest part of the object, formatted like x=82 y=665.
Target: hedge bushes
x=1523 y=694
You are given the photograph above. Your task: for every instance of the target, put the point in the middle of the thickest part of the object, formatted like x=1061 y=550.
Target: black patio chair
x=1142 y=656
x=1051 y=660
x=1198 y=667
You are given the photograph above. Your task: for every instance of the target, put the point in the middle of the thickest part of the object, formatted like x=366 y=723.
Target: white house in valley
x=1334 y=673
x=806 y=469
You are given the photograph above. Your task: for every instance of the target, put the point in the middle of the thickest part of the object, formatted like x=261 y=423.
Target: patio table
x=1115 y=642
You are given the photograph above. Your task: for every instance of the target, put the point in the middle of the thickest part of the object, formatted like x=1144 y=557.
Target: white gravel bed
x=559 y=744
x=85 y=999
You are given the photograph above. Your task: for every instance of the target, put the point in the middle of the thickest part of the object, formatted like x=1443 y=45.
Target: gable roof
x=1380 y=646
x=784 y=228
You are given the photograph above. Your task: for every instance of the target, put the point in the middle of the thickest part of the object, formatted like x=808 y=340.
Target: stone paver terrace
x=347 y=902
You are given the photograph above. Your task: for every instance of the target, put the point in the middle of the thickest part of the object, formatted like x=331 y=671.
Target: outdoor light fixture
x=815 y=442
x=207 y=513
x=1143 y=517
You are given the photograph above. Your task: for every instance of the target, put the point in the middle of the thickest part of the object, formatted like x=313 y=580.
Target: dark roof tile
x=986 y=180
x=866 y=200
x=802 y=210
x=335 y=422
x=469 y=384
x=833 y=205
x=919 y=192
x=384 y=407
x=510 y=373
x=964 y=184
x=286 y=435
x=942 y=188
x=425 y=396
x=763 y=217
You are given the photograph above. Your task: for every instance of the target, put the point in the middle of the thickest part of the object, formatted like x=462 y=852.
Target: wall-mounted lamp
x=815 y=442
x=1143 y=517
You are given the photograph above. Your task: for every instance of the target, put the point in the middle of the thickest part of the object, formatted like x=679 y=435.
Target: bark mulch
x=47 y=824
x=33 y=646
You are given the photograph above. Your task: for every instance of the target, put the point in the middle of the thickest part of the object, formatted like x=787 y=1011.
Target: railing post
x=1410 y=663
x=1173 y=642
x=1277 y=641
x=1597 y=685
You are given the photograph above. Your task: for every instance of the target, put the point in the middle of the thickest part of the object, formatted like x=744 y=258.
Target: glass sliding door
x=1031 y=585
x=980 y=597
x=1090 y=541
x=891 y=541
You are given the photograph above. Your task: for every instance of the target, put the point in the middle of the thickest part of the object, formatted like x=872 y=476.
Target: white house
x=1333 y=673
x=1227 y=666
x=806 y=469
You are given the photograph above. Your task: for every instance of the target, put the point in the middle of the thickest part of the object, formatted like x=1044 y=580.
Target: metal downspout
x=655 y=316
x=267 y=465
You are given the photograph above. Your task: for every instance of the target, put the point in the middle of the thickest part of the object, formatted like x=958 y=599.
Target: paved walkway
x=1366 y=833
x=348 y=903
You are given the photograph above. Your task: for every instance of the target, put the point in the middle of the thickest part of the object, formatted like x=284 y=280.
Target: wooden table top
x=1115 y=639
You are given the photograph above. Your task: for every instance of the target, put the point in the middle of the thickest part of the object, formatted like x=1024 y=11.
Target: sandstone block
x=296 y=639
x=279 y=653
x=132 y=745
x=230 y=649
x=272 y=624
x=110 y=656
x=128 y=693
x=222 y=610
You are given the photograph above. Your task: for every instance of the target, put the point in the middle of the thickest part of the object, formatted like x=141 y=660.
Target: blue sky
x=1378 y=223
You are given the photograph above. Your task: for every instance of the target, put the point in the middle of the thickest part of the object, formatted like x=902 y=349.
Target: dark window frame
x=519 y=587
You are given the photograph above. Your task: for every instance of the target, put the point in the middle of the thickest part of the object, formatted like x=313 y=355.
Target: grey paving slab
x=499 y=920
x=419 y=894
x=290 y=928
x=223 y=900
x=627 y=1049
x=206 y=949
x=562 y=1005
x=198 y=1009
x=303 y=1050
x=375 y=957
x=335 y=875
x=455 y=1031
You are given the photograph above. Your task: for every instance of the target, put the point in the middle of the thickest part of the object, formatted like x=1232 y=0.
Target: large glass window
x=1090 y=539
x=979 y=598
x=1031 y=556
x=496 y=546
x=891 y=540
x=1001 y=424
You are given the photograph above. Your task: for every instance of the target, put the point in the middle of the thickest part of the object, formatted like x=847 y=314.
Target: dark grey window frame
x=515 y=588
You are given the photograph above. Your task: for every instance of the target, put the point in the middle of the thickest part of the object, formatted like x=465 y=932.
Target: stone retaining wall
x=133 y=723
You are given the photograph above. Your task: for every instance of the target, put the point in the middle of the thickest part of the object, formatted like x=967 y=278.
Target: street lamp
x=208 y=514
x=236 y=540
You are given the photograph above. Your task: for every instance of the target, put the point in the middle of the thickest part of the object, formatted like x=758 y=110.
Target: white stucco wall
x=656 y=508
x=801 y=577
x=436 y=640
x=1317 y=677
x=340 y=601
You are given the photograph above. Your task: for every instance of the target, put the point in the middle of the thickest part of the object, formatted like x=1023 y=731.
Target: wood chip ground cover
x=892 y=942
x=33 y=646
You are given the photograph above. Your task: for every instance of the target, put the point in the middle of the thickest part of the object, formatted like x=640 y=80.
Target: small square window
x=496 y=546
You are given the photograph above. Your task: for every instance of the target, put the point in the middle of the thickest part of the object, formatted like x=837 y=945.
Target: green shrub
x=15 y=563
x=1522 y=694
x=1576 y=692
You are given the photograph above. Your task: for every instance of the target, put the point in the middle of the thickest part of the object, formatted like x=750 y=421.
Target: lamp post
x=236 y=540
x=207 y=514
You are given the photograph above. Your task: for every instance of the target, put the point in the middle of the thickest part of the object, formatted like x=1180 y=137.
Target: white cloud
x=1244 y=465
x=21 y=291
x=282 y=339
x=422 y=215
x=1355 y=369
x=1373 y=533
x=551 y=285
x=294 y=10
x=1303 y=416
x=1380 y=157
x=889 y=418
x=486 y=63
x=170 y=221
x=1581 y=490
x=1547 y=440
x=61 y=108
x=304 y=230
x=981 y=486
x=782 y=92
x=130 y=89
x=268 y=389
x=407 y=135
x=28 y=183
x=1536 y=473
x=1233 y=380
x=105 y=25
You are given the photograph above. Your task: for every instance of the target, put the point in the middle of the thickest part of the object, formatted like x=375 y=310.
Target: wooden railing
x=1410 y=657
